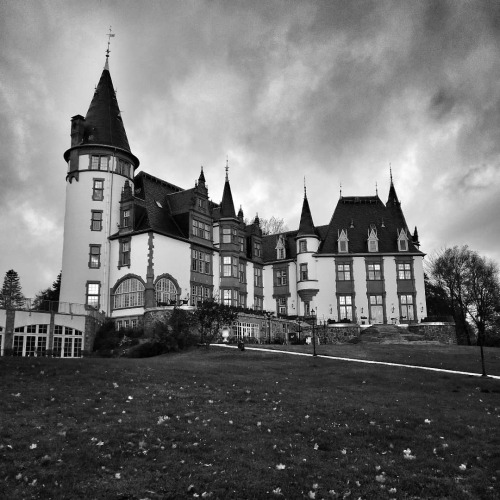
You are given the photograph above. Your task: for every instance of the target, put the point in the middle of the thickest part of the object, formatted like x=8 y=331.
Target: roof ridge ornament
x=109 y=35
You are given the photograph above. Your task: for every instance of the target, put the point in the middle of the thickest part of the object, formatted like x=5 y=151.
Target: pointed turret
x=201 y=178
x=240 y=214
x=103 y=121
x=227 y=205
x=306 y=226
x=415 y=240
x=392 y=199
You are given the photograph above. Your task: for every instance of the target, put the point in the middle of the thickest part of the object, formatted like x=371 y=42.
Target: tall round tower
x=307 y=242
x=100 y=163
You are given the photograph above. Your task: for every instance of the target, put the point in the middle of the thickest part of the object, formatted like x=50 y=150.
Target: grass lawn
x=221 y=423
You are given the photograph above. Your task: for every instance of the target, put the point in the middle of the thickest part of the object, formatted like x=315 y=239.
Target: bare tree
x=273 y=225
x=472 y=286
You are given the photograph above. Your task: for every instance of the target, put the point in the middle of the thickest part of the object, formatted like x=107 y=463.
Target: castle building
x=134 y=242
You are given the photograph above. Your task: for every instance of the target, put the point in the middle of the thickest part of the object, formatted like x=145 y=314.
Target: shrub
x=146 y=350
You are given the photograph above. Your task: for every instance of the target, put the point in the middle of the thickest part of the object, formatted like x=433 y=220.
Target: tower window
x=98 y=190
x=95 y=256
x=98 y=162
x=93 y=292
x=304 y=275
x=302 y=246
x=122 y=167
x=96 y=220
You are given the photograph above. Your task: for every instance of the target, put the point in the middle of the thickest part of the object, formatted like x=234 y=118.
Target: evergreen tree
x=48 y=299
x=11 y=296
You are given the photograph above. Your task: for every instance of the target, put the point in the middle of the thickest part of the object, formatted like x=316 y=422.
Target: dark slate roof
x=356 y=214
x=153 y=207
x=103 y=122
x=227 y=205
x=306 y=226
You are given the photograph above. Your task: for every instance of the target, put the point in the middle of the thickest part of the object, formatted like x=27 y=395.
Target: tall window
x=281 y=253
x=130 y=293
x=281 y=277
x=257 y=275
x=201 y=261
x=226 y=235
x=302 y=246
x=404 y=271
x=98 y=162
x=242 y=300
x=226 y=266
x=94 y=256
x=166 y=292
x=96 y=220
x=343 y=242
x=281 y=305
x=227 y=297
x=304 y=275
x=241 y=241
x=124 y=253
x=345 y=307
x=93 y=292
x=257 y=249
x=199 y=293
x=126 y=217
x=407 y=307
x=98 y=190
x=344 y=272
x=242 y=274
x=374 y=271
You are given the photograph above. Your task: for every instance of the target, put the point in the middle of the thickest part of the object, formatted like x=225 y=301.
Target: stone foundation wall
x=338 y=334
x=153 y=315
x=442 y=332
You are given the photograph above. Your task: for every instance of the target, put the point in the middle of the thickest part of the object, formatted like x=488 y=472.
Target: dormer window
x=280 y=248
x=343 y=242
x=372 y=239
x=402 y=241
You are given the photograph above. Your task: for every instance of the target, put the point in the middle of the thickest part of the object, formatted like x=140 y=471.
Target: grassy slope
x=242 y=425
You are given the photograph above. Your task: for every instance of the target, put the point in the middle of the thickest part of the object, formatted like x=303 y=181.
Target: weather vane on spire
x=109 y=35
x=227 y=167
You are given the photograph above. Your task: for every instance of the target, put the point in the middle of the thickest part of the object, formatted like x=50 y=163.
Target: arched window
x=130 y=293
x=166 y=292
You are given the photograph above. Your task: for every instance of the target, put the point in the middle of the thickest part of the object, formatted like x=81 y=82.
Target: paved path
x=497 y=377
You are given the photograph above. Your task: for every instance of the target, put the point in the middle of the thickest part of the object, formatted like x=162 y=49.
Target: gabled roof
x=103 y=122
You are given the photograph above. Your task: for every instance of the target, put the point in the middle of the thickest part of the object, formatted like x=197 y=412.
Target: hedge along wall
x=154 y=315
x=337 y=333
x=442 y=332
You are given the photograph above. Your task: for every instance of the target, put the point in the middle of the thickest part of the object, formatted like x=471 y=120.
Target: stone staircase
x=392 y=334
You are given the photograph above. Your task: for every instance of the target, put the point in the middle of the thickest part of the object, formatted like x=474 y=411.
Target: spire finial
x=227 y=168
x=305 y=189
x=109 y=35
x=390 y=171
x=376 y=188
x=341 y=189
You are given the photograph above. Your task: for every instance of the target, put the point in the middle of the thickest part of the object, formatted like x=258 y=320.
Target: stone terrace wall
x=442 y=332
x=338 y=333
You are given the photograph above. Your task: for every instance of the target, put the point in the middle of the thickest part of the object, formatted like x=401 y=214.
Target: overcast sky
x=334 y=91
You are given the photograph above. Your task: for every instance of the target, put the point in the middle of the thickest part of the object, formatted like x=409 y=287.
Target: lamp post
x=313 y=312
x=269 y=315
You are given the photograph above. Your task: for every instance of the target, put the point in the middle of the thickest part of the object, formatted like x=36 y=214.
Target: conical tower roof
x=103 y=122
x=306 y=226
x=227 y=205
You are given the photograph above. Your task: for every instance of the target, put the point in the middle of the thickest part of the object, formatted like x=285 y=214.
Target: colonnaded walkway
x=455 y=372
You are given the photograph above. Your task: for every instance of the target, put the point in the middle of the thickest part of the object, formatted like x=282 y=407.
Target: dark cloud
x=330 y=90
